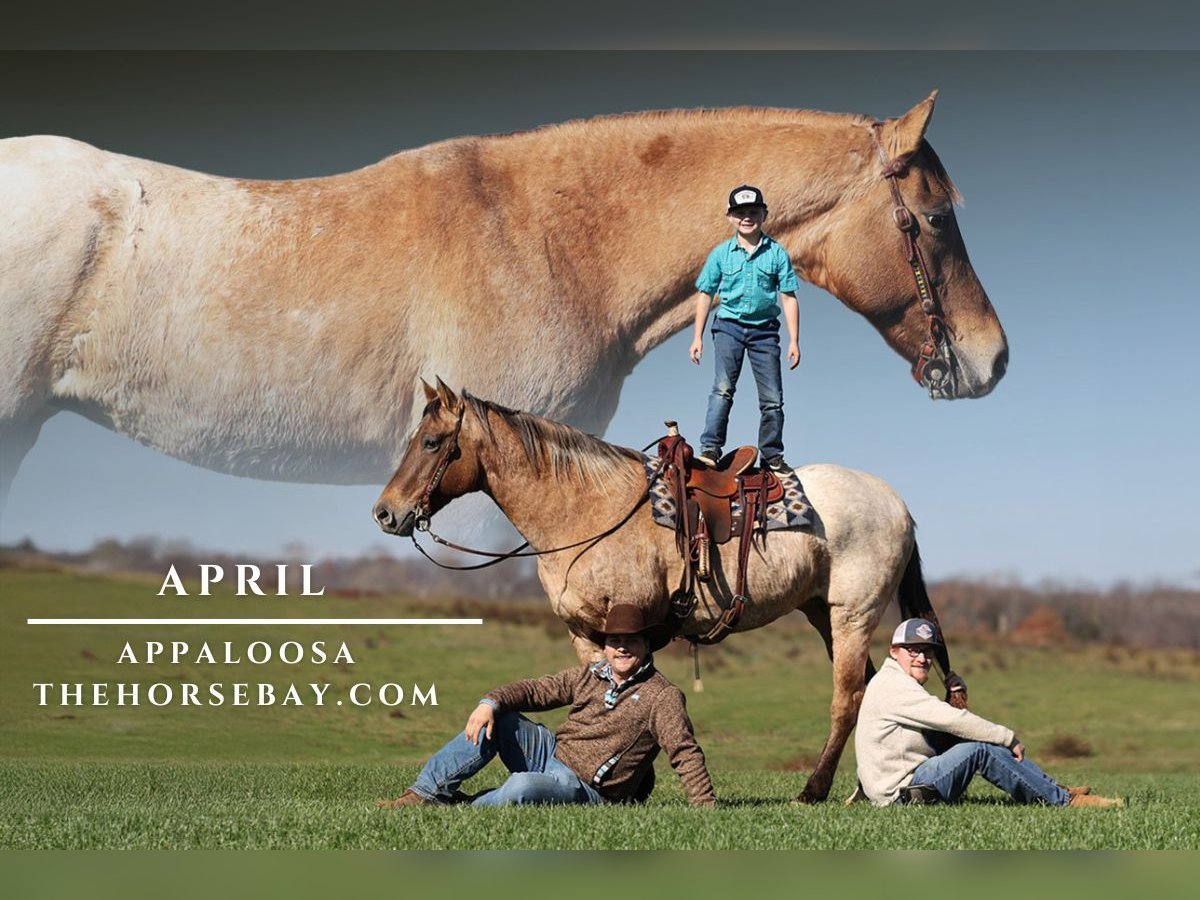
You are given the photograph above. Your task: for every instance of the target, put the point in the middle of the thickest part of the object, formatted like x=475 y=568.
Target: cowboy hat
x=625 y=618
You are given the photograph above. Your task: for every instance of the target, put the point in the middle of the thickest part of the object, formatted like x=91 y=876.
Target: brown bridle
x=934 y=368
x=422 y=511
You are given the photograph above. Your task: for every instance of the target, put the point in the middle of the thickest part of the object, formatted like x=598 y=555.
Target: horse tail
x=915 y=603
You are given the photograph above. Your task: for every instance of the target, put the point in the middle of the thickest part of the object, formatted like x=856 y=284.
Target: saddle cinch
x=715 y=506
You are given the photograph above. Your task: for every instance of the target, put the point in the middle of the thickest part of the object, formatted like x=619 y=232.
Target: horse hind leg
x=848 y=646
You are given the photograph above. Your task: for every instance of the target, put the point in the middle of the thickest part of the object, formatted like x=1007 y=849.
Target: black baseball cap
x=746 y=195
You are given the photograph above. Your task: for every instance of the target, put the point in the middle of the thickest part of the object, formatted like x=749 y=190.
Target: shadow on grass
x=965 y=803
x=751 y=802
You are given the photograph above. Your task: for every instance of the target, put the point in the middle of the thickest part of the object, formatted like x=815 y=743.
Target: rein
x=934 y=368
x=422 y=522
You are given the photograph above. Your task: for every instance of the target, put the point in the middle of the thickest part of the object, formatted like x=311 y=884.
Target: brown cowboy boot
x=1091 y=800
x=1076 y=790
x=408 y=798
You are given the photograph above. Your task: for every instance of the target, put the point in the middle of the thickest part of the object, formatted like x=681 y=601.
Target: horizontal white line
x=254 y=621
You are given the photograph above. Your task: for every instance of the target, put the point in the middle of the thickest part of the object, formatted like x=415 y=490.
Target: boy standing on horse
x=622 y=712
x=914 y=748
x=748 y=272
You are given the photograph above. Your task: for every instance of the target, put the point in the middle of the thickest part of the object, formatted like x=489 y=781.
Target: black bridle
x=935 y=367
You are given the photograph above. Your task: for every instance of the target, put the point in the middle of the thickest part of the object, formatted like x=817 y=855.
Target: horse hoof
x=807 y=798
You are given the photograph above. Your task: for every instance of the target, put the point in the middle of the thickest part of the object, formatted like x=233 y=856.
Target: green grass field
x=72 y=776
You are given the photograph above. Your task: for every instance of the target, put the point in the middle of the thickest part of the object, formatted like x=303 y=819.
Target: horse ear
x=430 y=393
x=449 y=399
x=902 y=137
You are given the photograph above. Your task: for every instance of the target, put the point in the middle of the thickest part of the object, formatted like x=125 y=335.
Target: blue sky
x=1081 y=186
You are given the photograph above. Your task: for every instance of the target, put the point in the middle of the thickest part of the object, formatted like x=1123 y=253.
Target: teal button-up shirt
x=748 y=283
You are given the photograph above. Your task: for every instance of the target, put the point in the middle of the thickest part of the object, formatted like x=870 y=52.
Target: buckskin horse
x=562 y=488
x=276 y=329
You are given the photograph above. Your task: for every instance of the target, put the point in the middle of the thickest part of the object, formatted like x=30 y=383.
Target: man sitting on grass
x=622 y=712
x=905 y=740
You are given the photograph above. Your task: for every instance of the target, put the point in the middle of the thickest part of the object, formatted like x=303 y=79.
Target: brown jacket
x=648 y=716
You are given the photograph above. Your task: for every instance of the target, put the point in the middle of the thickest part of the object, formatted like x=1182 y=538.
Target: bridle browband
x=934 y=368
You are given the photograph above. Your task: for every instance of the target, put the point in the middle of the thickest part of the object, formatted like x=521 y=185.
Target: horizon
x=298 y=553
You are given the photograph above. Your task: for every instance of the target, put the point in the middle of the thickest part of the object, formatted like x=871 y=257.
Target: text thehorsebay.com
x=185 y=656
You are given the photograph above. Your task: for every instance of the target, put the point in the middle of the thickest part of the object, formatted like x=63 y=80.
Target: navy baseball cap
x=746 y=195
x=916 y=631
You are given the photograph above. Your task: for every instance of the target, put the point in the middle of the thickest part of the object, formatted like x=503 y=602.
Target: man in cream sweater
x=901 y=728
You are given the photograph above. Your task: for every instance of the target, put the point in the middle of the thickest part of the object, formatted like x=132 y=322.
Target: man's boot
x=919 y=795
x=1091 y=800
x=408 y=798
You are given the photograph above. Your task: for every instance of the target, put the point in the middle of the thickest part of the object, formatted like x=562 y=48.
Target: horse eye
x=936 y=220
x=430 y=442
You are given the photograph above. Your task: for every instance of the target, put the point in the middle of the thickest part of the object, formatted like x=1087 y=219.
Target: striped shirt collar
x=603 y=670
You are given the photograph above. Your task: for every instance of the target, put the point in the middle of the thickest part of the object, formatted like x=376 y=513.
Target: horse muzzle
x=389 y=524
x=955 y=373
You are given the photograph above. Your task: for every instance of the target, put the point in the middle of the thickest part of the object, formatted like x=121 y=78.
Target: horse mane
x=764 y=115
x=651 y=119
x=560 y=449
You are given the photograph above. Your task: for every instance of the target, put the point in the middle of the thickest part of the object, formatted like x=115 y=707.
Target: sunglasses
x=914 y=652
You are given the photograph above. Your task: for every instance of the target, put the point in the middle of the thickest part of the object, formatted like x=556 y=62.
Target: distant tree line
x=1145 y=616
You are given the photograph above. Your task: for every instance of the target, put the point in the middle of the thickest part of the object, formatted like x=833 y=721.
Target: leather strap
x=422 y=523
x=934 y=367
x=754 y=520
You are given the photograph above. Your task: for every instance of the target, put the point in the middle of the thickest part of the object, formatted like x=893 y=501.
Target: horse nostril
x=1000 y=366
x=383 y=515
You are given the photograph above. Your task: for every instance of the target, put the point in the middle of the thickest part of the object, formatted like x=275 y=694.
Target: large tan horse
x=276 y=329
x=559 y=486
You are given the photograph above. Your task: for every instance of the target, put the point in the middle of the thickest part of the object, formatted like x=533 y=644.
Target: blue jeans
x=526 y=748
x=949 y=773
x=732 y=341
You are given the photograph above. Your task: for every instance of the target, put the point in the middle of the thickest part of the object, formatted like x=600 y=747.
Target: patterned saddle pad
x=793 y=511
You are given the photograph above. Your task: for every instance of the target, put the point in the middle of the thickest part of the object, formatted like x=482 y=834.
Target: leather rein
x=448 y=456
x=934 y=368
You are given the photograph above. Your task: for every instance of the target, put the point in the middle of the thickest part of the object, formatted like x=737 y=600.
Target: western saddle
x=705 y=500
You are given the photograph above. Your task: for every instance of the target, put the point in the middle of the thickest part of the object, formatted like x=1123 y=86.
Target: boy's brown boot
x=1091 y=800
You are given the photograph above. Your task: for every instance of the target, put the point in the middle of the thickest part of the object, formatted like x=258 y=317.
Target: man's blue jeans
x=949 y=773
x=732 y=342
x=526 y=748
